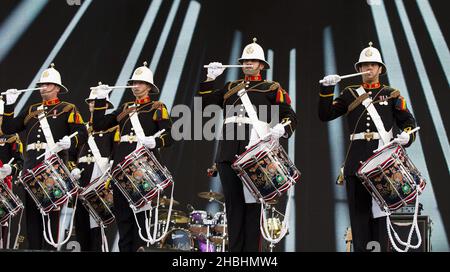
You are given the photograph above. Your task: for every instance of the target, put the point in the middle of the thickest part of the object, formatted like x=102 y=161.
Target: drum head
x=178 y=239
x=381 y=158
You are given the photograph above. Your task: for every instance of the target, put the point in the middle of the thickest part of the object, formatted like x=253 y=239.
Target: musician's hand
x=11 y=96
x=76 y=173
x=402 y=139
x=277 y=131
x=101 y=91
x=331 y=80
x=64 y=143
x=5 y=171
x=215 y=69
x=148 y=141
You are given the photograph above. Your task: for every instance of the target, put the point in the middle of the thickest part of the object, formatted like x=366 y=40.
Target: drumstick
x=391 y=142
x=70 y=137
x=25 y=90
x=159 y=133
x=116 y=87
x=227 y=66
x=350 y=75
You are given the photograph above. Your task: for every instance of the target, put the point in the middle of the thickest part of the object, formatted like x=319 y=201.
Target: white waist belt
x=237 y=119
x=36 y=146
x=365 y=136
x=128 y=138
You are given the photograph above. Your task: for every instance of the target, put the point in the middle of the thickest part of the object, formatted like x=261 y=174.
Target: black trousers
x=129 y=239
x=242 y=219
x=35 y=227
x=89 y=238
x=364 y=228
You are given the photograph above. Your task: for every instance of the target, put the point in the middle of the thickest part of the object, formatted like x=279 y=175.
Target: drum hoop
x=392 y=146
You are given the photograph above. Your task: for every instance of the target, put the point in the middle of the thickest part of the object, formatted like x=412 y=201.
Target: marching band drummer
x=45 y=125
x=370 y=128
x=88 y=232
x=10 y=147
x=243 y=213
x=152 y=117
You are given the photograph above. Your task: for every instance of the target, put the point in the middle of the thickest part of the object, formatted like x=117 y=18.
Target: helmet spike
x=370 y=44
x=52 y=65
x=145 y=63
x=254 y=39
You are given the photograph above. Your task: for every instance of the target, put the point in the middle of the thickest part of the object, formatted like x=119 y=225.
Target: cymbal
x=272 y=202
x=164 y=201
x=178 y=217
x=210 y=195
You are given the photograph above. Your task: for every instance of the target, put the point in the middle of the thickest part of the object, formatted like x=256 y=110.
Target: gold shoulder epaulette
x=68 y=107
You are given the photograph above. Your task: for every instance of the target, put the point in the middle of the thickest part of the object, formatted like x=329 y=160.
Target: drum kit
x=199 y=231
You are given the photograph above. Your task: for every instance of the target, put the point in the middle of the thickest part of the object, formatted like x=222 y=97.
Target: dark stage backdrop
x=184 y=35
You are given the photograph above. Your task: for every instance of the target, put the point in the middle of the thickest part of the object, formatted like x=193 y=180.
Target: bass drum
x=178 y=239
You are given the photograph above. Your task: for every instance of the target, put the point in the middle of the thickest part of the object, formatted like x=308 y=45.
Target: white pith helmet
x=51 y=75
x=254 y=51
x=370 y=54
x=144 y=74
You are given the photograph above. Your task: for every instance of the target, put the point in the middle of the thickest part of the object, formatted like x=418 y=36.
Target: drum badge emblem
x=249 y=50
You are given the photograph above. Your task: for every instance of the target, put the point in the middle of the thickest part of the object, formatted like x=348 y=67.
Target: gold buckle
x=38 y=146
x=368 y=136
x=131 y=138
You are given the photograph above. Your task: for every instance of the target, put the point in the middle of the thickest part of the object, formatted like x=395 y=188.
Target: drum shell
x=98 y=200
x=10 y=204
x=266 y=170
x=391 y=178
x=140 y=177
x=49 y=184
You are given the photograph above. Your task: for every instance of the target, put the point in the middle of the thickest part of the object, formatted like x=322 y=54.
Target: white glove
x=76 y=173
x=11 y=96
x=64 y=143
x=5 y=171
x=402 y=138
x=148 y=142
x=101 y=91
x=331 y=80
x=277 y=131
x=215 y=70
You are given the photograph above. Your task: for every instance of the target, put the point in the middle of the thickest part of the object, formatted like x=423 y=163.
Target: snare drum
x=140 y=176
x=97 y=198
x=10 y=204
x=49 y=184
x=391 y=177
x=266 y=170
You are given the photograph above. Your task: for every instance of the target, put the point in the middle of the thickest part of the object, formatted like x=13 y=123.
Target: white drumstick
x=227 y=66
x=159 y=133
x=350 y=75
x=116 y=87
x=391 y=142
x=70 y=137
x=25 y=90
